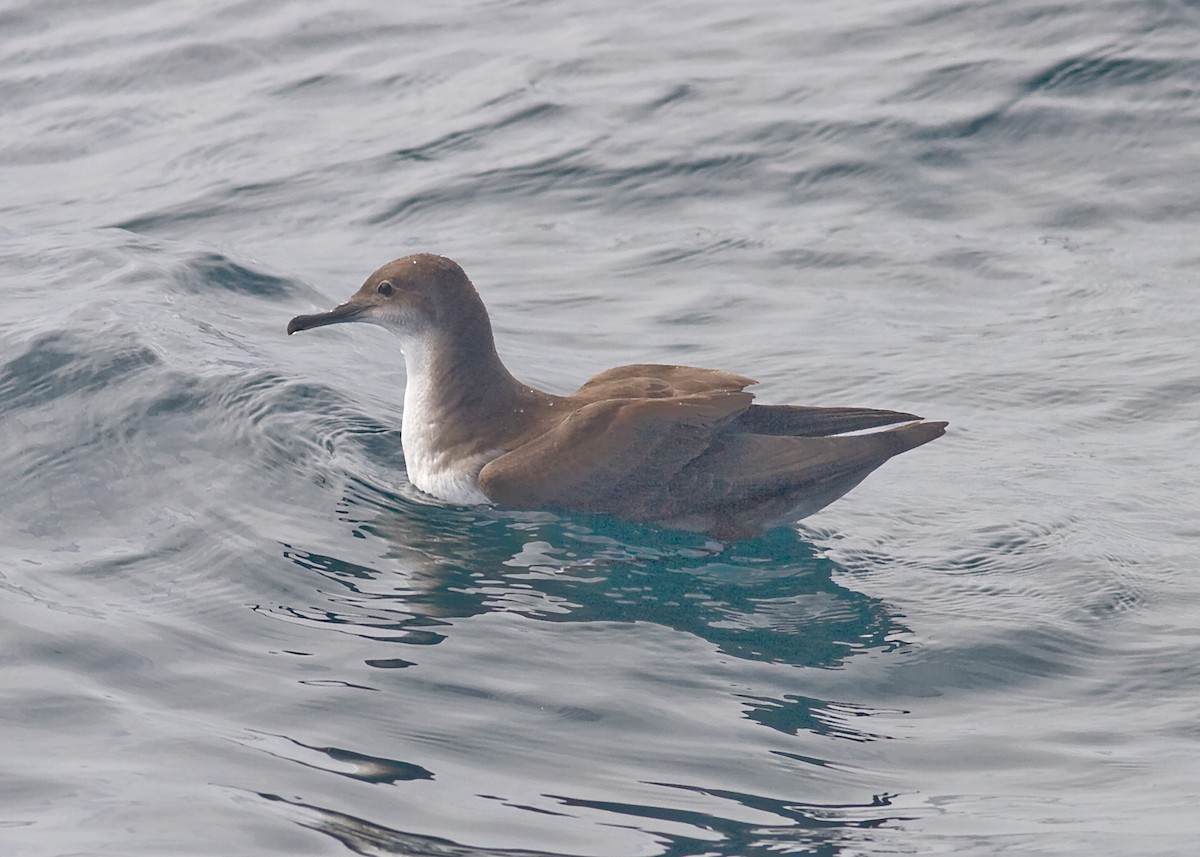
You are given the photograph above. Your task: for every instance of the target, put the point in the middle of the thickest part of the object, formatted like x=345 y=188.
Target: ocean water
x=228 y=623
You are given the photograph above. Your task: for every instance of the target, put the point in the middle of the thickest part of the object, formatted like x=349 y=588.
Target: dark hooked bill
x=345 y=312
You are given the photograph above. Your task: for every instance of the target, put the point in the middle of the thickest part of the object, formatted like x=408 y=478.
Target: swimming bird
x=673 y=446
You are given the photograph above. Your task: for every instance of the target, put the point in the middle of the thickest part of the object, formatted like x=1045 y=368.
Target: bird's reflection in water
x=414 y=570
x=772 y=599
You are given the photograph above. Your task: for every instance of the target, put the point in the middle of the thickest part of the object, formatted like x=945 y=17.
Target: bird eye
x=385 y=288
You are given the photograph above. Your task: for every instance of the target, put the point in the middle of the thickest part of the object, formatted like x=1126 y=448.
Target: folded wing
x=685 y=447
x=747 y=482
x=615 y=456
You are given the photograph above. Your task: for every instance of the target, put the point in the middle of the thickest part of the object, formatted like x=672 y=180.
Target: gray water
x=228 y=623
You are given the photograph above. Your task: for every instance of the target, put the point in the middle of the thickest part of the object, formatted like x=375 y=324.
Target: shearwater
x=673 y=446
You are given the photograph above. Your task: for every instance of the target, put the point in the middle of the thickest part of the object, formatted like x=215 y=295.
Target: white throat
x=431 y=467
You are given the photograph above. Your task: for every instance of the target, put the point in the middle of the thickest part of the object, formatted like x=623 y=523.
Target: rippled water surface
x=228 y=623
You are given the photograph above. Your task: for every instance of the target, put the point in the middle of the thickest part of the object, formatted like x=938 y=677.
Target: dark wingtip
x=922 y=433
x=803 y=421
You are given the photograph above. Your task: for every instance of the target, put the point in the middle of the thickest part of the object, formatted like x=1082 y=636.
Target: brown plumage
x=675 y=446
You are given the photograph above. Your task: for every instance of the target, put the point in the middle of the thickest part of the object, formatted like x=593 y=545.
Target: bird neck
x=459 y=400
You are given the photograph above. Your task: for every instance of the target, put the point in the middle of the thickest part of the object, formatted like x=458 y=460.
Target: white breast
x=454 y=482
x=431 y=468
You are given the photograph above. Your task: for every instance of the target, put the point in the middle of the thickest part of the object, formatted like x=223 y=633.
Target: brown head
x=415 y=297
